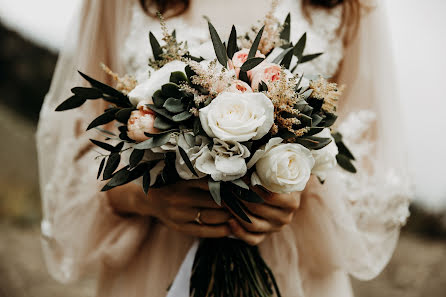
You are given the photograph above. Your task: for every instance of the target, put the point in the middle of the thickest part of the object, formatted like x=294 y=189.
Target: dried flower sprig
x=171 y=50
x=329 y=92
x=124 y=84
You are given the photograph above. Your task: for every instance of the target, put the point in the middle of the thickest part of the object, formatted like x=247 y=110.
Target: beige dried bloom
x=284 y=97
x=172 y=50
x=329 y=92
x=271 y=33
x=124 y=84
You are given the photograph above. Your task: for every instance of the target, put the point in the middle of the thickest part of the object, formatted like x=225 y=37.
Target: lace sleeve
x=79 y=228
x=358 y=216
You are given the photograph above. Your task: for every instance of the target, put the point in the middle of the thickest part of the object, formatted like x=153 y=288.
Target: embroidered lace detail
x=375 y=198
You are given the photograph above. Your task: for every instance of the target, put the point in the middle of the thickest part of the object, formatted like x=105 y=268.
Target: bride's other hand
x=177 y=206
x=276 y=212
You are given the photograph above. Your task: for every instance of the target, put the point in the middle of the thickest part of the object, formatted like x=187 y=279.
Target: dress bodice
x=321 y=33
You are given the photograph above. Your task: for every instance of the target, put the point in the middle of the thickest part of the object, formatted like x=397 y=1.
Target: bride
x=312 y=240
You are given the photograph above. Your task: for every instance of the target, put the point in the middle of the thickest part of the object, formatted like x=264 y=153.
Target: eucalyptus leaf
x=174 y=105
x=136 y=157
x=103 y=119
x=316 y=119
x=178 y=77
x=112 y=164
x=286 y=61
x=282 y=55
x=146 y=182
x=345 y=163
x=214 y=189
x=286 y=31
x=299 y=48
x=119 y=146
x=120 y=178
x=308 y=58
x=314 y=130
x=153 y=142
x=235 y=205
x=185 y=115
x=187 y=161
x=158 y=98
x=313 y=142
x=156 y=47
x=171 y=90
x=255 y=44
x=240 y=183
x=160 y=111
x=251 y=63
x=124 y=114
x=343 y=150
x=123 y=99
x=71 y=103
x=101 y=167
x=219 y=48
x=163 y=124
x=232 y=43
x=87 y=93
x=103 y=145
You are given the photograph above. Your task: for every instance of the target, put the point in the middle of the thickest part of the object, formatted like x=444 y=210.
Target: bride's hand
x=177 y=206
x=271 y=216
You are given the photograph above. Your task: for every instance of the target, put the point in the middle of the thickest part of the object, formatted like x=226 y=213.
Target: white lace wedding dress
x=348 y=226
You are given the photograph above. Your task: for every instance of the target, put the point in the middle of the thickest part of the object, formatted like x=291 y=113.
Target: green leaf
x=219 y=48
x=120 y=178
x=174 y=105
x=124 y=114
x=305 y=120
x=240 y=183
x=299 y=48
x=313 y=142
x=232 y=43
x=87 y=93
x=156 y=141
x=285 y=34
x=214 y=189
x=197 y=126
x=316 y=119
x=255 y=44
x=190 y=139
x=160 y=111
x=235 y=205
x=345 y=163
x=105 y=131
x=163 y=124
x=307 y=94
x=285 y=134
x=251 y=63
x=156 y=48
x=343 y=150
x=286 y=61
x=248 y=195
x=103 y=145
x=243 y=76
x=101 y=167
x=314 y=130
x=136 y=157
x=161 y=133
x=329 y=119
x=104 y=118
x=158 y=98
x=146 y=182
x=280 y=57
x=308 y=58
x=171 y=90
x=122 y=99
x=119 y=147
x=187 y=161
x=185 y=115
x=71 y=103
x=178 y=77
x=111 y=165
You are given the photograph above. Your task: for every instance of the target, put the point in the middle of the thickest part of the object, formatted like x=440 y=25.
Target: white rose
x=325 y=158
x=282 y=168
x=193 y=152
x=146 y=89
x=238 y=117
x=225 y=162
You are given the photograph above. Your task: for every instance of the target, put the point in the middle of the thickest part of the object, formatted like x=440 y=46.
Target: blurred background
x=31 y=34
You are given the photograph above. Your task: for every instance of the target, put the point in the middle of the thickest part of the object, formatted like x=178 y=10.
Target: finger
x=277 y=216
x=248 y=237
x=205 y=231
x=259 y=225
x=196 y=198
x=214 y=216
x=281 y=200
x=201 y=184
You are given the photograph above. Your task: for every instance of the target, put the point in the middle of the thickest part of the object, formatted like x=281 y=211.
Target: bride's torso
x=191 y=26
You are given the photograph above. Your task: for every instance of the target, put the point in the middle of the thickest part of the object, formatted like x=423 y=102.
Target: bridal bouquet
x=242 y=120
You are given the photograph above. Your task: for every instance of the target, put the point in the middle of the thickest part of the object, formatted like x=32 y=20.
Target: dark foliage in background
x=25 y=73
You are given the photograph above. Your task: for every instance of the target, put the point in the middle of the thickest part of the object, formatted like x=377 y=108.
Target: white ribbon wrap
x=181 y=285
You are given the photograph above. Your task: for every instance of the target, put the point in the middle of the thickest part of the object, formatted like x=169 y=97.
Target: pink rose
x=268 y=72
x=240 y=57
x=239 y=87
x=140 y=121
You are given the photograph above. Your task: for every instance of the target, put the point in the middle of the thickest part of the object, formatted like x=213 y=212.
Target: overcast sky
x=419 y=36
